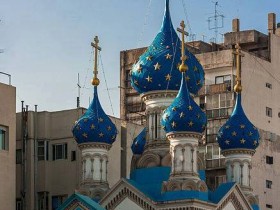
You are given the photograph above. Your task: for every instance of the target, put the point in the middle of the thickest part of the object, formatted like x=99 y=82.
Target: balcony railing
x=215 y=163
x=214 y=89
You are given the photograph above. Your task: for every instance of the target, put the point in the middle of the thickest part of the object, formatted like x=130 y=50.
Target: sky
x=46 y=43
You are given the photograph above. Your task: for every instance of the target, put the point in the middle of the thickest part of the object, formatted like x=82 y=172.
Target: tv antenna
x=216 y=22
x=79 y=91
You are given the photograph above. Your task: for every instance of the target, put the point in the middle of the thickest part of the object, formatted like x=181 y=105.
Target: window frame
x=268 y=184
x=4 y=141
x=55 y=151
x=268 y=111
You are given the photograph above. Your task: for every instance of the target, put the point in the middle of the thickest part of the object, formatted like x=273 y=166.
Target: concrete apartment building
x=55 y=173
x=7 y=146
x=261 y=87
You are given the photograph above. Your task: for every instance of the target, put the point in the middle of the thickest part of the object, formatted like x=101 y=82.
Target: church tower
x=156 y=77
x=238 y=139
x=95 y=133
x=184 y=123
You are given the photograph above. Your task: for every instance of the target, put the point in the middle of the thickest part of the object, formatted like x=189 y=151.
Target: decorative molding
x=174 y=135
x=159 y=94
x=239 y=151
x=95 y=145
x=147 y=159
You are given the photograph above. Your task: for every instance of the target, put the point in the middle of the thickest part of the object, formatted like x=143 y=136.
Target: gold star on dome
x=101 y=135
x=255 y=128
x=85 y=135
x=227 y=126
x=255 y=143
x=242 y=126
x=190 y=107
x=167 y=47
x=166 y=117
x=174 y=109
x=198 y=116
x=157 y=66
x=173 y=124
x=233 y=133
x=178 y=65
x=190 y=123
x=149 y=58
x=250 y=133
x=187 y=78
x=100 y=119
x=168 y=56
x=113 y=137
x=168 y=77
x=242 y=141
x=92 y=127
x=227 y=142
x=135 y=82
x=109 y=128
x=149 y=79
x=139 y=68
x=195 y=68
x=198 y=82
x=163 y=127
x=78 y=127
x=182 y=114
x=85 y=120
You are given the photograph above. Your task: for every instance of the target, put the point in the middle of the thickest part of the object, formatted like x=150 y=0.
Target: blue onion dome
x=94 y=125
x=183 y=115
x=138 y=143
x=157 y=68
x=238 y=132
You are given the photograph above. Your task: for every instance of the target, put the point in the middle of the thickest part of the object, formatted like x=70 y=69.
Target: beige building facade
x=7 y=146
x=56 y=172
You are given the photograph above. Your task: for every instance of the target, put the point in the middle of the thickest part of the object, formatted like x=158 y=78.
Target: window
x=268 y=85
x=223 y=79
x=43 y=150
x=18 y=156
x=269 y=160
x=4 y=141
x=269 y=206
x=59 y=151
x=18 y=204
x=43 y=200
x=73 y=155
x=57 y=201
x=268 y=112
x=268 y=184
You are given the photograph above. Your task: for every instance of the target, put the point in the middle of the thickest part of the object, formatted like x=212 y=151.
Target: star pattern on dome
x=182 y=114
x=85 y=135
x=234 y=133
x=101 y=135
x=168 y=77
x=149 y=79
x=109 y=128
x=149 y=58
x=242 y=126
x=187 y=78
x=190 y=108
x=92 y=126
x=173 y=124
x=255 y=143
x=242 y=141
x=85 y=120
x=168 y=56
x=250 y=133
x=227 y=141
x=100 y=119
x=190 y=123
x=139 y=68
x=157 y=66
x=174 y=109
x=227 y=126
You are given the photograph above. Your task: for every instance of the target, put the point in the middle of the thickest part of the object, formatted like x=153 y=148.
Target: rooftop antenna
x=216 y=22
x=79 y=91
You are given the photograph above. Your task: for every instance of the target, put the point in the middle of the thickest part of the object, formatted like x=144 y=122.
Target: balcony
x=219 y=113
x=215 y=163
x=214 y=89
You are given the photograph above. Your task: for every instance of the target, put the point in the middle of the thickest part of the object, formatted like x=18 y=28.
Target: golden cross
x=184 y=33
x=239 y=54
x=95 y=80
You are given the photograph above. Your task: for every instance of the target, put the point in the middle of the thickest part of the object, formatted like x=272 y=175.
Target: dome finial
x=183 y=67
x=238 y=86
x=95 y=81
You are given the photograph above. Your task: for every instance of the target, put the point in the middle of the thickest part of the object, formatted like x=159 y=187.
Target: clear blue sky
x=47 y=42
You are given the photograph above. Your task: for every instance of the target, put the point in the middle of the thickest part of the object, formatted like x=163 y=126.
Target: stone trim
x=159 y=94
x=74 y=204
x=95 y=145
x=238 y=151
x=174 y=135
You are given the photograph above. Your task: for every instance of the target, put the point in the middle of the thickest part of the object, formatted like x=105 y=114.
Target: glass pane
x=219 y=80
x=59 y=151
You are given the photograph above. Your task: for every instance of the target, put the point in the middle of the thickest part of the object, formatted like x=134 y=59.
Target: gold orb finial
x=183 y=67
x=95 y=81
